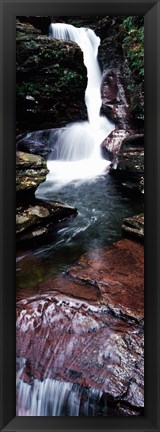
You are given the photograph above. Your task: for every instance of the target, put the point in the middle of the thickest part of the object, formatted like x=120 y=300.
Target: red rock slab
x=70 y=340
x=118 y=273
x=70 y=287
x=113 y=276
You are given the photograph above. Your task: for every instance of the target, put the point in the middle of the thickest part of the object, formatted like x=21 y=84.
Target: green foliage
x=67 y=78
x=64 y=80
x=30 y=88
x=132 y=30
x=133 y=44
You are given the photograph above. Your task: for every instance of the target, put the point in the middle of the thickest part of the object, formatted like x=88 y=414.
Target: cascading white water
x=78 y=153
x=55 y=398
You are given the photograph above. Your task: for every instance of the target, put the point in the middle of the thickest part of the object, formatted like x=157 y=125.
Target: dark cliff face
x=51 y=80
x=122 y=99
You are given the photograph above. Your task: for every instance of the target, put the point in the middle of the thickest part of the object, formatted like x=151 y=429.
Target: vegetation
x=132 y=33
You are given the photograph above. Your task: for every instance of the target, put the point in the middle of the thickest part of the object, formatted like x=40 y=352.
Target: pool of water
x=101 y=208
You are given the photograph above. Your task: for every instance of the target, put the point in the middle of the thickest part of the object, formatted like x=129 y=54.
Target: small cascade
x=77 y=153
x=75 y=150
x=89 y=43
x=57 y=398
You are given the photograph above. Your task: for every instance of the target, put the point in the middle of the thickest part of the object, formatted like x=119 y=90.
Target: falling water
x=77 y=153
x=56 y=398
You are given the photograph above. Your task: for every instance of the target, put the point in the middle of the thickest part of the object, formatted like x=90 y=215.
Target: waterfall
x=77 y=152
x=57 y=398
x=89 y=43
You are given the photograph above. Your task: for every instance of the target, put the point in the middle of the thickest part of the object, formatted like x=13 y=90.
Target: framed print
x=73 y=100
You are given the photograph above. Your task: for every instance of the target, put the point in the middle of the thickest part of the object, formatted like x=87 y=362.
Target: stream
x=101 y=208
x=79 y=176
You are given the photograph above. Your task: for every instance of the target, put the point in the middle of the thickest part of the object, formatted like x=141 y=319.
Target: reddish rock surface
x=71 y=340
x=118 y=273
x=86 y=327
x=114 y=140
x=113 y=276
x=113 y=93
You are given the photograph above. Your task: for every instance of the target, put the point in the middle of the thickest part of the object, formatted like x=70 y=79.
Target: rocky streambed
x=86 y=327
x=79 y=334
x=80 y=331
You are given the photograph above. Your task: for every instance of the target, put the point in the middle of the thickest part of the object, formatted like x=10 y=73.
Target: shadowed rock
x=128 y=163
x=134 y=226
x=38 y=219
x=51 y=78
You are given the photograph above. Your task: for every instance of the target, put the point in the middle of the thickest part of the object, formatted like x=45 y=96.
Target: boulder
x=134 y=226
x=113 y=141
x=35 y=218
x=40 y=142
x=128 y=163
x=31 y=170
x=33 y=221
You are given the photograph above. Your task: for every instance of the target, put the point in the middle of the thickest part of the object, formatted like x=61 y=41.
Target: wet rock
x=120 y=102
x=134 y=226
x=38 y=142
x=38 y=219
x=115 y=102
x=128 y=164
x=25 y=161
x=86 y=327
x=67 y=286
x=113 y=141
x=31 y=170
x=113 y=276
x=78 y=342
x=35 y=218
x=117 y=272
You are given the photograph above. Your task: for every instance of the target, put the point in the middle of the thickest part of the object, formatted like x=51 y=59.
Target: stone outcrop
x=128 y=163
x=113 y=141
x=86 y=327
x=37 y=142
x=51 y=80
x=126 y=151
x=35 y=218
x=118 y=101
x=115 y=101
x=31 y=170
x=134 y=226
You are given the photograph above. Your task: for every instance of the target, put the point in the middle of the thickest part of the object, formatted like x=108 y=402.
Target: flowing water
x=78 y=176
x=57 y=398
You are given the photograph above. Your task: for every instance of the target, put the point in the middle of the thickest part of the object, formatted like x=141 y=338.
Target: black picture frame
x=151 y=11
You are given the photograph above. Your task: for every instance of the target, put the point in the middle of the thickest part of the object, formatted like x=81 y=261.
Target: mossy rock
x=51 y=82
x=38 y=219
x=31 y=170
